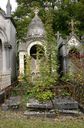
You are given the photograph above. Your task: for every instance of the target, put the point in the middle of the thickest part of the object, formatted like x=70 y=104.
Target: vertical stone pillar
x=65 y=64
x=21 y=63
x=64 y=59
x=4 y=59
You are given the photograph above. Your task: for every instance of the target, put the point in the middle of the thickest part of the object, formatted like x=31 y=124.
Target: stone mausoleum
x=7 y=48
x=34 y=41
x=70 y=51
x=36 y=37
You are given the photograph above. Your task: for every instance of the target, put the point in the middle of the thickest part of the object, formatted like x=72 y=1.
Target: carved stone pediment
x=73 y=42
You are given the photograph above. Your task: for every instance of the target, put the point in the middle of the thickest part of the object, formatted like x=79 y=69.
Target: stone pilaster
x=4 y=59
x=21 y=63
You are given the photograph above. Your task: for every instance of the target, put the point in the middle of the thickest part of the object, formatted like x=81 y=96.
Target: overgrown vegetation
x=39 y=86
x=54 y=20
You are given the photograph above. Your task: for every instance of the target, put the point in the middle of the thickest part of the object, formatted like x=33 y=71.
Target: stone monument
x=7 y=48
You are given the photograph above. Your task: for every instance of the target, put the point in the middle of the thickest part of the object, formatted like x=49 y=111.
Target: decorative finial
x=36 y=11
x=8 y=9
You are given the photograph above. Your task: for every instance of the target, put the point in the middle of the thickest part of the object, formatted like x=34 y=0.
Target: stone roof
x=60 y=42
x=2 y=12
x=73 y=35
x=36 y=28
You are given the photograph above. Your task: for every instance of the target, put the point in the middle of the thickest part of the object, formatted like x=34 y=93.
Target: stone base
x=5 y=81
x=52 y=114
x=12 y=103
x=66 y=103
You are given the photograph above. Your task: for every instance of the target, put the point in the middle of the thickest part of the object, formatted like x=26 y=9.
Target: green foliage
x=41 y=84
x=54 y=20
x=67 y=77
x=65 y=94
x=63 y=16
x=60 y=17
x=48 y=67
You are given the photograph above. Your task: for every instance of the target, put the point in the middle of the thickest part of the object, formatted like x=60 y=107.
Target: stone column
x=65 y=64
x=21 y=63
x=4 y=59
x=64 y=58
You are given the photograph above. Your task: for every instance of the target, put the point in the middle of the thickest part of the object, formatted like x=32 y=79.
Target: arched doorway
x=36 y=54
x=0 y=56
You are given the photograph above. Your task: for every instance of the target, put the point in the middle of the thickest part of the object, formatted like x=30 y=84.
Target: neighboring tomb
x=70 y=51
x=7 y=48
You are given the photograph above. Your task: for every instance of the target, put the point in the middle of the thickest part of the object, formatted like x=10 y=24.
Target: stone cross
x=72 y=24
x=58 y=35
x=36 y=11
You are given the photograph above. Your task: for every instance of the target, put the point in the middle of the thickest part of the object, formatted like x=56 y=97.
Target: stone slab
x=13 y=102
x=39 y=106
x=34 y=104
x=65 y=103
x=4 y=107
x=60 y=103
x=52 y=114
x=39 y=114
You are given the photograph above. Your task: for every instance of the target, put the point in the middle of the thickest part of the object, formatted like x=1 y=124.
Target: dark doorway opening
x=37 y=51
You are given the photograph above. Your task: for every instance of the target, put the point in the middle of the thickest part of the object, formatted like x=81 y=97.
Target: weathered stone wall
x=11 y=33
x=5 y=81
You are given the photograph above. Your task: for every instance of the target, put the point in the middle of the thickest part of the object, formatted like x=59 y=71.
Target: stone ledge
x=52 y=114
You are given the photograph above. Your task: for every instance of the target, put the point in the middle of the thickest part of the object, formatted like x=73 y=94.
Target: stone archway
x=36 y=53
x=1 y=56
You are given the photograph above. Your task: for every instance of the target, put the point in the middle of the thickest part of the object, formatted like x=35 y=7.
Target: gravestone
x=35 y=105
x=12 y=102
x=63 y=105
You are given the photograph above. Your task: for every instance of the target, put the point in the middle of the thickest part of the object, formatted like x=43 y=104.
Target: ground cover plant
x=18 y=120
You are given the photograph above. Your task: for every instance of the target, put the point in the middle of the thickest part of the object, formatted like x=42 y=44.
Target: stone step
x=52 y=114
